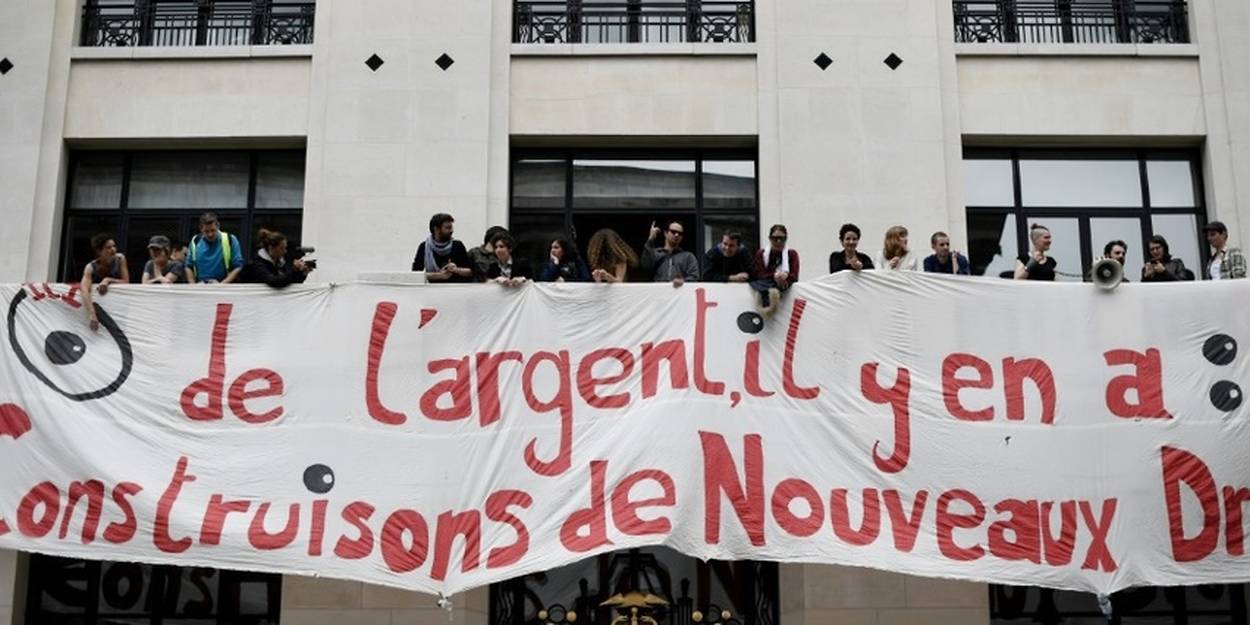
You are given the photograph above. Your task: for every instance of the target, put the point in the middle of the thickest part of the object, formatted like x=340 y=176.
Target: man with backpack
x=214 y=255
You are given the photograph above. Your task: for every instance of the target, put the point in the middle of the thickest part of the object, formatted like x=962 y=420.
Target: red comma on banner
x=14 y=421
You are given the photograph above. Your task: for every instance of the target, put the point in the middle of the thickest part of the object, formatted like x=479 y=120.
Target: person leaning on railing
x=1162 y=267
x=270 y=265
x=1036 y=265
x=776 y=269
x=609 y=256
x=564 y=265
x=849 y=257
x=161 y=268
x=214 y=255
x=106 y=268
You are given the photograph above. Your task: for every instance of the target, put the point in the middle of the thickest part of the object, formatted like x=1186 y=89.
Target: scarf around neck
x=432 y=247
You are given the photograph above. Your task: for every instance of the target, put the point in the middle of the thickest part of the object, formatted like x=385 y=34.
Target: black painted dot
x=1226 y=395
x=1220 y=349
x=319 y=478
x=64 y=348
x=750 y=322
x=374 y=62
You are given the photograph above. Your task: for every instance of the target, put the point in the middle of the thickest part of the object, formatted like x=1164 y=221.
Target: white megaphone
x=1107 y=274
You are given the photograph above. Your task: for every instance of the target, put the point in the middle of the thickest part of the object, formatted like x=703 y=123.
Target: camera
x=304 y=250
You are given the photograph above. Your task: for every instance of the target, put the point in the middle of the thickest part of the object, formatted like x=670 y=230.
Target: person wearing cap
x=1227 y=263
x=161 y=268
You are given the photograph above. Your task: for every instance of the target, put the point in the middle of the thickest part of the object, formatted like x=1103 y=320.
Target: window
x=135 y=195
x=1086 y=198
x=62 y=591
x=575 y=193
x=692 y=589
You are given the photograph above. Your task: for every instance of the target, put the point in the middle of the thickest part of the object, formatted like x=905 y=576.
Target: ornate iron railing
x=633 y=21
x=197 y=22
x=1072 y=21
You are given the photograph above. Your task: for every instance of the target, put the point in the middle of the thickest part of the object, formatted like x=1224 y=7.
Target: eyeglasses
x=777 y=238
x=677 y=232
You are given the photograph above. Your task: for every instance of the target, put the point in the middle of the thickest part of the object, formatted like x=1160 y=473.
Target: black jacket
x=263 y=271
x=717 y=267
x=520 y=269
x=837 y=261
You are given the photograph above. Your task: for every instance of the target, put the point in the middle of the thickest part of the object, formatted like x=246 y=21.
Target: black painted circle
x=319 y=478
x=750 y=322
x=1220 y=349
x=64 y=348
x=106 y=321
x=1226 y=395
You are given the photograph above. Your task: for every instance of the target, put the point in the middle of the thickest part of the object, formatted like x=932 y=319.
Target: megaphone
x=1107 y=274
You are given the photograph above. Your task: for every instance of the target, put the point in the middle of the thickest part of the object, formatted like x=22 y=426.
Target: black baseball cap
x=159 y=240
x=1215 y=226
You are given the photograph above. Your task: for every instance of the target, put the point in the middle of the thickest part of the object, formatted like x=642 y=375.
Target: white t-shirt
x=1214 y=267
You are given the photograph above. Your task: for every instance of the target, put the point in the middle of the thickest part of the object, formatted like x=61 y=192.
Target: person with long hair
x=108 y=267
x=270 y=265
x=610 y=257
x=849 y=257
x=895 y=256
x=564 y=264
x=776 y=269
x=1036 y=265
x=1162 y=267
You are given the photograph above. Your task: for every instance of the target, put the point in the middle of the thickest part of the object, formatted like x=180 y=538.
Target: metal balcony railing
x=633 y=21
x=1071 y=21
x=127 y=23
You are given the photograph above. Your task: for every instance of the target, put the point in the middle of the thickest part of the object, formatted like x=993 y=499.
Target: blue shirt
x=208 y=263
x=933 y=265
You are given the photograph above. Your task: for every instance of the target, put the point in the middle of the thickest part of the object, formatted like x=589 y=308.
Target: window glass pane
x=538 y=183
x=729 y=184
x=1182 y=234
x=280 y=180
x=97 y=181
x=1129 y=230
x=714 y=227
x=992 y=247
x=633 y=184
x=988 y=183
x=78 y=252
x=1065 y=248
x=202 y=180
x=1171 y=183
x=287 y=224
x=1093 y=183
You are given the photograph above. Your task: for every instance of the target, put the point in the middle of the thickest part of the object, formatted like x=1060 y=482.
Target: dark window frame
x=188 y=218
x=1024 y=215
x=699 y=155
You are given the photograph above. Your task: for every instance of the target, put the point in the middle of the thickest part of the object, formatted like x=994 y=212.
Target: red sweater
x=763 y=270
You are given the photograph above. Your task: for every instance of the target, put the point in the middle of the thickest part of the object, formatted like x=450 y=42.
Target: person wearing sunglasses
x=776 y=269
x=667 y=261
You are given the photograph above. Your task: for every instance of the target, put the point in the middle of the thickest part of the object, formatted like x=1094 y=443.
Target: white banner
x=441 y=438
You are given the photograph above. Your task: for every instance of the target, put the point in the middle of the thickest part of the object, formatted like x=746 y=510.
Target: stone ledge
x=147 y=53
x=1181 y=50
x=633 y=49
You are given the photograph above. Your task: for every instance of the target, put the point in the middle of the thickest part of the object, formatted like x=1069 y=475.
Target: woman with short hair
x=1162 y=267
x=1036 y=265
x=107 y=267
x=849 y=257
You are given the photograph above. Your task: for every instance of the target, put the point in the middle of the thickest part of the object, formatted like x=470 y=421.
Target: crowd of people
x=215 y=256
x=773 y=268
